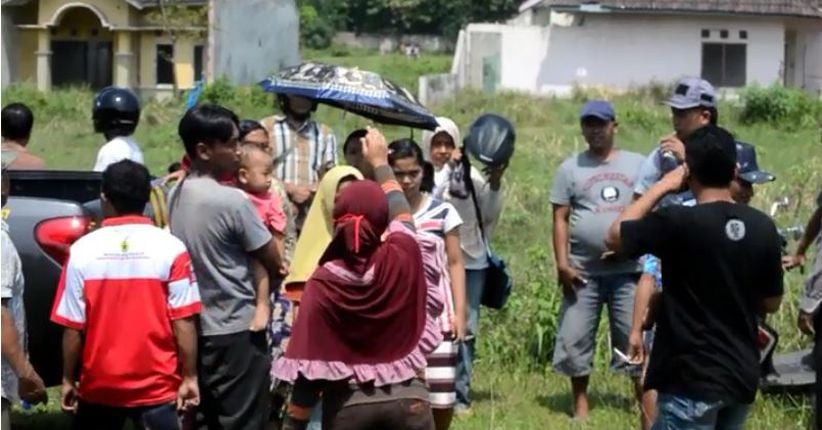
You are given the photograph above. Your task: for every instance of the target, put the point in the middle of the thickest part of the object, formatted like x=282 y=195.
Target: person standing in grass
x=589 y=191
x=17 y=121
x=440 y=221
x=693 y=105
x=650 y=284
x=127 y=291
x=20 y=380
x=721 y=265
x=224 y=234
x=116 y=113
x=305 y=150
x=810 y=318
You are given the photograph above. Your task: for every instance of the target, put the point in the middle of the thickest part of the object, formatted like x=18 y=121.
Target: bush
x=788 y=108
x=315 y=31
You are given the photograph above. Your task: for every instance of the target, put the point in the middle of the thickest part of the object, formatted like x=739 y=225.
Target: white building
x=554 y=45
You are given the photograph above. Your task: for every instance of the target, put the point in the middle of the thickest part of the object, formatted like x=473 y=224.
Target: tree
x=179 y=21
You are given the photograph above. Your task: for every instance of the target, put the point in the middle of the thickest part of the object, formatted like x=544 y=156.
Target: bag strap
x=469 y=183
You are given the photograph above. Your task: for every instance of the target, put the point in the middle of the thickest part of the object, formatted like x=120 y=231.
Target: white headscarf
x=445 y=126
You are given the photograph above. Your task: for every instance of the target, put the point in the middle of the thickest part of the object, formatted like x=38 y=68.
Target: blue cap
x=598 y=109
x=748 y=167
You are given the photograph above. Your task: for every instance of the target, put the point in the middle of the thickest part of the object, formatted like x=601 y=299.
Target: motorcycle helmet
x=490 y=140
x=116 y=110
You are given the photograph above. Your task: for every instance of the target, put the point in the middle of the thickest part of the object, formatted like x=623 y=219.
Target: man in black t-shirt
x=722 y=269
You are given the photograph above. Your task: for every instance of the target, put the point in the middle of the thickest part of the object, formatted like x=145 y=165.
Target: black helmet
x=116 y=110
x=490 y=140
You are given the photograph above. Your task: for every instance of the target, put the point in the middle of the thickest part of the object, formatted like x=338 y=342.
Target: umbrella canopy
x=358 y=91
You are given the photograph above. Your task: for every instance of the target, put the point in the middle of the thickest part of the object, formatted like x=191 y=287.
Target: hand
x=68 y=397
x=636 y=347
x=188 y=395
x=456 y=154
x=262 y=315
x=673 y=144
x=676 y=179
x=459 y=328
x=570 y=281
x=793 y=261
x=300 y=194
x=805 y=323
x=284 y=269
x=31 y=388
x=494 y=175
x=173 y=177
x=375 y=148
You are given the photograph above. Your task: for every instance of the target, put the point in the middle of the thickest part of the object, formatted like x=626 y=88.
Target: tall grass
x=515 y=344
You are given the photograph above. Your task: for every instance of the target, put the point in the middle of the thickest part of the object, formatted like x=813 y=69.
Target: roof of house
x=801 y=8
x=139 y=4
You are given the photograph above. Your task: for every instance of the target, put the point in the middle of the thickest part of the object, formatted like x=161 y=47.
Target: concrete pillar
x=123 y=60
x=43 y=60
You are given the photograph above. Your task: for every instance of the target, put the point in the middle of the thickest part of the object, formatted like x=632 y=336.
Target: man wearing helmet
x=116 y=112
x=303 y=149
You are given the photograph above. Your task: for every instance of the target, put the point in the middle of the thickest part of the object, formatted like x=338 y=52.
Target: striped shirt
x=437 y=218
x=122 y=286
x=304 y=152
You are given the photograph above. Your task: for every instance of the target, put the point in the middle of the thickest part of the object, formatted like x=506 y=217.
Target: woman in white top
x=440 y=220
x=440 y=147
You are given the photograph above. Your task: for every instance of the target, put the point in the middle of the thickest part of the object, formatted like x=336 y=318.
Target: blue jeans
x=579 y=319
x=474 y=285
x=675 y=412
x=316 y=421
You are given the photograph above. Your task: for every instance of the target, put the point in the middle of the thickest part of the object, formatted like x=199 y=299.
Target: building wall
x=27 y=59
x=183 y=60
x=116 y=12
x=622 y=51
x=252 y=39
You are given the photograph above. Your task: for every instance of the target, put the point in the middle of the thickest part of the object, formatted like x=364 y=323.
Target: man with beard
x=589 y=192
x=303 y=149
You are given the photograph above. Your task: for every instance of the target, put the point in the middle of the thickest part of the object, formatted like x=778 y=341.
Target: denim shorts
x=676 y=412
x=579 y=319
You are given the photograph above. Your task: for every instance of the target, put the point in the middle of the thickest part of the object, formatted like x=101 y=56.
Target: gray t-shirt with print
x=219 y=227
x=597 y=192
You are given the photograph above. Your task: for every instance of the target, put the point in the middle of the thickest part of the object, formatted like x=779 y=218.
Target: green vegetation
x=515 y=387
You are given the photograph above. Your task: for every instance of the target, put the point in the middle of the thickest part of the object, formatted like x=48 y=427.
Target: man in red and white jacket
x=128 y=302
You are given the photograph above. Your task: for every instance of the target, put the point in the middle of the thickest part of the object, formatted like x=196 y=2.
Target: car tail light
x=56 y=235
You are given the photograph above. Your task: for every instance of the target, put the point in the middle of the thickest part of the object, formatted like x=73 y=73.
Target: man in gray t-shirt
x=589 y=191
x=223 y=235
x=220 y=228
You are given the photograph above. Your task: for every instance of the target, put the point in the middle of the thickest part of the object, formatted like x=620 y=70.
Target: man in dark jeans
x=721 y=269
x=223 y=233
x=128 y=303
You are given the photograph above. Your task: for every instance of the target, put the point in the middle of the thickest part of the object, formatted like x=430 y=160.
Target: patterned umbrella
x=358 y=91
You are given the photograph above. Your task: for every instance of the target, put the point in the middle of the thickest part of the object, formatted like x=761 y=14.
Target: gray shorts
x=579 y=319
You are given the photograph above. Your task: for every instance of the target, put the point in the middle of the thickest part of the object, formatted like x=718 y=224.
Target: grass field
x=515 y=387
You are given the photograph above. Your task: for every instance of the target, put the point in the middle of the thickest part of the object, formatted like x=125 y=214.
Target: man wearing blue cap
x=589 y=191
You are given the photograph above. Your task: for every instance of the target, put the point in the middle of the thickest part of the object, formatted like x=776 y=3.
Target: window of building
x=165 y=64
x=724 y=64
x=199 y=60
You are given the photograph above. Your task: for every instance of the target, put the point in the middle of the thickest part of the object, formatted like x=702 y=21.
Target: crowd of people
x=285 y=288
